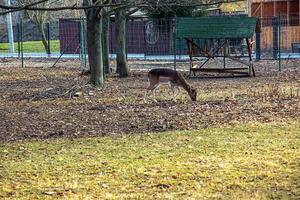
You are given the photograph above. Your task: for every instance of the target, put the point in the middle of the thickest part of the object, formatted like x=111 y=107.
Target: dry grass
x=250 y=161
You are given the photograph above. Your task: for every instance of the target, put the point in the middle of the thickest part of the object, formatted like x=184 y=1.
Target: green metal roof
x=215 y=27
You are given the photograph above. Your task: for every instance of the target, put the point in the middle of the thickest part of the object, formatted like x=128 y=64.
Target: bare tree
x=39 y=18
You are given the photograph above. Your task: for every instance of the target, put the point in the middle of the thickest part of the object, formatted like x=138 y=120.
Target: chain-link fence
x=150 y=41
x=280 y=40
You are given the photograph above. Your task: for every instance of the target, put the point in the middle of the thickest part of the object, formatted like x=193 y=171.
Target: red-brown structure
x=288 y=10
x=270 y=8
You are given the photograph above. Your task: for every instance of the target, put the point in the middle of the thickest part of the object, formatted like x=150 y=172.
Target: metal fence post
x=279 y=41
x=82 y=44
x=258 y=47
x=21 y=37
x=275 y=37
x=174 y=42
x=49 y=38
x=10 y=30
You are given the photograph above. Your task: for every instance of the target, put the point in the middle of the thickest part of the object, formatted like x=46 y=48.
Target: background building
x=286 y=11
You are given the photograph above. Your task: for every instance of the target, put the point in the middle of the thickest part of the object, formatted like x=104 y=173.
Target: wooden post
x=191 y=53
x=251 y=68
x=249 y=8
x=224 y=58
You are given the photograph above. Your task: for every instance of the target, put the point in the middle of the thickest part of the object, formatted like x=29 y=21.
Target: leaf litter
x=39 y=103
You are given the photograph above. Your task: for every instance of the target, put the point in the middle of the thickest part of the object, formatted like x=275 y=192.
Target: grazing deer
x=171 y=77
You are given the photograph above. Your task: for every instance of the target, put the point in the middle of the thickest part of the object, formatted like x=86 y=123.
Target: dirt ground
x=38 y=102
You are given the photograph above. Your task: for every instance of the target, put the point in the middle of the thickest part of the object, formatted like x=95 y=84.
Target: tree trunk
x=105 y=44
x=122 y=68
x=94 y=47
x=44 y=38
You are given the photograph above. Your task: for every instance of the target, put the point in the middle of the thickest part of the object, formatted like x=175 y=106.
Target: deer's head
x=193 y=94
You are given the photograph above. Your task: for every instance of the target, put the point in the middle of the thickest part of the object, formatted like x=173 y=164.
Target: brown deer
x=171 y=77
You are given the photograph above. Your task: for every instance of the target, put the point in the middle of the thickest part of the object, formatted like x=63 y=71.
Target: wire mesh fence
x=147 y=40
x=145 y=37
x=288 y=38
x=32 y=38
x=9 y=42
x=280 y=40
x=5 y=46
x=35 y=42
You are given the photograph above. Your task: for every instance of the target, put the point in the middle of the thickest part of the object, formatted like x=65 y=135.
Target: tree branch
x=115 y=6
x=132 y=11
x=18 y=8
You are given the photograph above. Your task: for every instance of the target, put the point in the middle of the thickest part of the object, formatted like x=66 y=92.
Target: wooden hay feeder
x=209 y=38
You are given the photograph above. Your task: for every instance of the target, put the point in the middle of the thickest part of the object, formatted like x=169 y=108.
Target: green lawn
x=253 y=161
x=31 y=46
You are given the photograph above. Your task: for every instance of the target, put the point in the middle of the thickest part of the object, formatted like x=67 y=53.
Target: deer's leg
x=145 y=96
x=175 y=91
x=150 y=90
x=153 y=92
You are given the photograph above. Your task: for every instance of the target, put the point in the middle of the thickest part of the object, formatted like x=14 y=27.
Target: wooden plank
x=249 y=8
x=255 y=10
x=220 y=70
x=239 y=60
x=261 y=1
x=216 y=69
x=261 y=9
